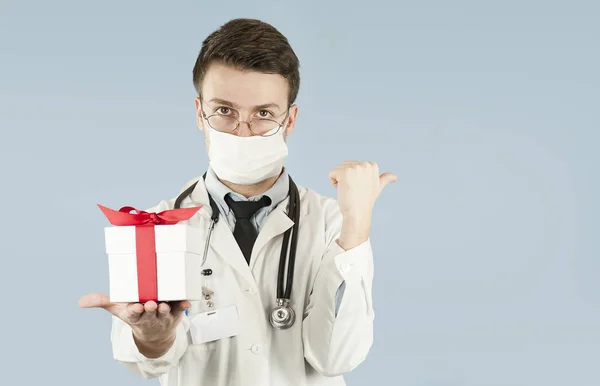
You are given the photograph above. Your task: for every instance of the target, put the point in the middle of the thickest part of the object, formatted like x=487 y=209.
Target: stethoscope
x=282 y=315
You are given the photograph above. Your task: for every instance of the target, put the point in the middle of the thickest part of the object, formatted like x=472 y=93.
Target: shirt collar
x=217 y=190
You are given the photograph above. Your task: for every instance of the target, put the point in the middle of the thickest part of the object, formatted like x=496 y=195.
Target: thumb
x=385 y=179
x=96 y=300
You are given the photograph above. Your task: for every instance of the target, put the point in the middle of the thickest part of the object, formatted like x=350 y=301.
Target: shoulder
x=169 y=203
x=322 y=209
x=317 y=201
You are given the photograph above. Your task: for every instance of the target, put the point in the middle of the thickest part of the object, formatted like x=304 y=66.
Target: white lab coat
x=317 y=350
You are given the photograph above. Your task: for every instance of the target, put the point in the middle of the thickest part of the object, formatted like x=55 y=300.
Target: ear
x=291 y=120
x=199 y=120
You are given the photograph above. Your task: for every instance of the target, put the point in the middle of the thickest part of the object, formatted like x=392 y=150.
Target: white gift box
x=179 y=250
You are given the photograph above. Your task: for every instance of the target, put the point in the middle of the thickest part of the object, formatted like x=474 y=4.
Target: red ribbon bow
x=145 y=240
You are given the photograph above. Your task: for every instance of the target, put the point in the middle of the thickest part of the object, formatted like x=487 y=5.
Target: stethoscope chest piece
x=282 y=316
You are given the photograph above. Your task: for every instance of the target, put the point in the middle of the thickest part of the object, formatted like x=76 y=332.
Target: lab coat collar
x=222 y=240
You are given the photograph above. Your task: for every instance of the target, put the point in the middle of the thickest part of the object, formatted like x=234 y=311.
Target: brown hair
x=249 y=44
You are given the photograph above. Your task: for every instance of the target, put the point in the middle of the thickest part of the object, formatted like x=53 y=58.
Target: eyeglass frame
x=239 y=123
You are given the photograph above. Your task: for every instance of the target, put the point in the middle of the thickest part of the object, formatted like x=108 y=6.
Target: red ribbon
x=145 y=241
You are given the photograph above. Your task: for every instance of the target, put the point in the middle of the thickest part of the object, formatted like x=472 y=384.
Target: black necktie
x=244 y=232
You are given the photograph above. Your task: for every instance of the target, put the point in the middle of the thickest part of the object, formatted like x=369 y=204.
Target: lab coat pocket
x=196 y=354
x=199 y=349
x=214 y=325
x=198 y=366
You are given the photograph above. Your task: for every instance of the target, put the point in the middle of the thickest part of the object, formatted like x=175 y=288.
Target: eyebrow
x=235 y=106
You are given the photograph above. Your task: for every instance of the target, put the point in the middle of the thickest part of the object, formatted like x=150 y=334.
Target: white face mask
x=246 y=160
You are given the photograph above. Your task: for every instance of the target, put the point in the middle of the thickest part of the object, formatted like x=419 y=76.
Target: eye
x=265 y=114
x=224 y=110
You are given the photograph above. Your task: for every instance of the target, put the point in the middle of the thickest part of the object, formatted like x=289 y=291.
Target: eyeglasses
x=263 y=127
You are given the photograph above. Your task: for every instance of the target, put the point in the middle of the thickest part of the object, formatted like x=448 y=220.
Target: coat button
x=253 y=291
x=255 y=348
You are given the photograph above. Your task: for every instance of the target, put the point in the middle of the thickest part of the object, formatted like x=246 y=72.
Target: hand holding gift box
x=151 y=256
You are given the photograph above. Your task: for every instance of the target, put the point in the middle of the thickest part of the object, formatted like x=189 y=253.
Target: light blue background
x=486 y=250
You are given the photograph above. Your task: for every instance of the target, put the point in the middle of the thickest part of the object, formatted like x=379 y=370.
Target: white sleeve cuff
x=352 y=264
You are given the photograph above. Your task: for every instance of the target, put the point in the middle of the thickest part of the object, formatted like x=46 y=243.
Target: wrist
x=355 y=231
x=152 y=347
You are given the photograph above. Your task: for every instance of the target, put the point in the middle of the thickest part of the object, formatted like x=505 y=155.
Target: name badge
x=214 y=325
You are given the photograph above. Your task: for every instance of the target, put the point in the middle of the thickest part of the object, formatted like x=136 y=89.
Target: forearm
x=336 y=343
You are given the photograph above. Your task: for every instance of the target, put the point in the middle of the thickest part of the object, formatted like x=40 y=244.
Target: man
x=247 y=80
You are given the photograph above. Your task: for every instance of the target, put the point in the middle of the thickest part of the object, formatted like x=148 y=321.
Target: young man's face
x=244 y=95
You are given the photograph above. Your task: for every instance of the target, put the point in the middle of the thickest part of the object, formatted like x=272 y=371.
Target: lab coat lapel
x=276 y=223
